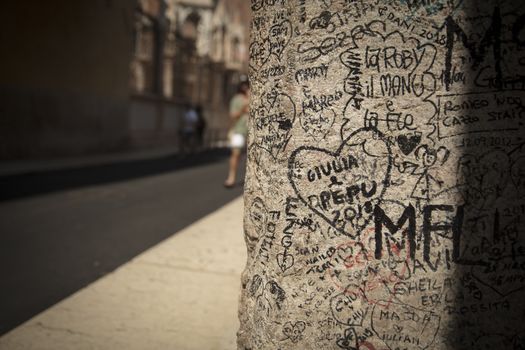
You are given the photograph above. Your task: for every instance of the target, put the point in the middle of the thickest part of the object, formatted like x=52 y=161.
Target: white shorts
x=237 y=141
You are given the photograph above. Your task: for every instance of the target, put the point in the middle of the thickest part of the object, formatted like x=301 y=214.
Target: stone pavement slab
x=181 y=294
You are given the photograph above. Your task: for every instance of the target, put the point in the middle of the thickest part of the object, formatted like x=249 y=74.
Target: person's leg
x=234 y=164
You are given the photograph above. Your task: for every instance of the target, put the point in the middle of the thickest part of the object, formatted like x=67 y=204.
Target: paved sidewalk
x=181 y=294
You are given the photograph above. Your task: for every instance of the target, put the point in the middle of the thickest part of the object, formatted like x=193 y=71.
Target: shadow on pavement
x=30 y=184
x=54 y=245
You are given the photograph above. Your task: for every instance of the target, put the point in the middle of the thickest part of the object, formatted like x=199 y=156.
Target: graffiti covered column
x=384 y=191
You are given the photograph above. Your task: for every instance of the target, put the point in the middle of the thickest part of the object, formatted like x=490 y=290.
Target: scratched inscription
x=385 y=186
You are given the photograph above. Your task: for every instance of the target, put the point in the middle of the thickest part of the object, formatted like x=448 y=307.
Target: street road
x=61 y=230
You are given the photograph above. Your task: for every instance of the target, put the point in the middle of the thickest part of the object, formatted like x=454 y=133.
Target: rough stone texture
x=384 y=196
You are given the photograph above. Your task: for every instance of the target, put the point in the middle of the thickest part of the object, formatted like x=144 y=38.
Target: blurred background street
x=114 y=121
x=180 y=294
x=63 y=229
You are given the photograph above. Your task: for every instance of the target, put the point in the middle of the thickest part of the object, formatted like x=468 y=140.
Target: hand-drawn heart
x=256 y=282
x=505 y=276
x=318 y=124
x=258 y=215
x=418 y=327
x=348 y=309
x=285 y=261
x=484 y=177
x=259 y=53
x=343 y=187
x=273 y=120
x=518 y=175
x=349 y=341
x=279 y=37
x=294 y=331
x=408 y=143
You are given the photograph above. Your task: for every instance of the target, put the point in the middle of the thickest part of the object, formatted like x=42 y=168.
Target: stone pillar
x=384 y=191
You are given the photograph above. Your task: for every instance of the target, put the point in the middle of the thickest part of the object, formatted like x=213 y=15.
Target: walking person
x=239 y=108
x=200 y=128
x=188 y=131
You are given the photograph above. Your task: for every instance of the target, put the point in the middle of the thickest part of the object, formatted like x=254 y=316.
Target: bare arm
x=234 y=115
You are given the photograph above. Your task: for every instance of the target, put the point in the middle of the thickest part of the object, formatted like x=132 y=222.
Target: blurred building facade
x=95 y=76
x=185 y=53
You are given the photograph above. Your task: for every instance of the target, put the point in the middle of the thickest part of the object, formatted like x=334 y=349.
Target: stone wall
x=64 y=77
x=384 y=198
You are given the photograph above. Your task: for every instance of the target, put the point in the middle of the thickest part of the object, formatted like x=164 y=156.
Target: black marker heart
x=294 y=331
x=349 y=341
x=318 y=124
x=285 y=261
x=279 y=37
x=273 y=121
x=504 y=276
x=259 y=53
x=342 y=187
x=408 y=143
x=517 y=171
x=348 y=309
x=484 y=177
x=414 y=329
x=258 y=215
